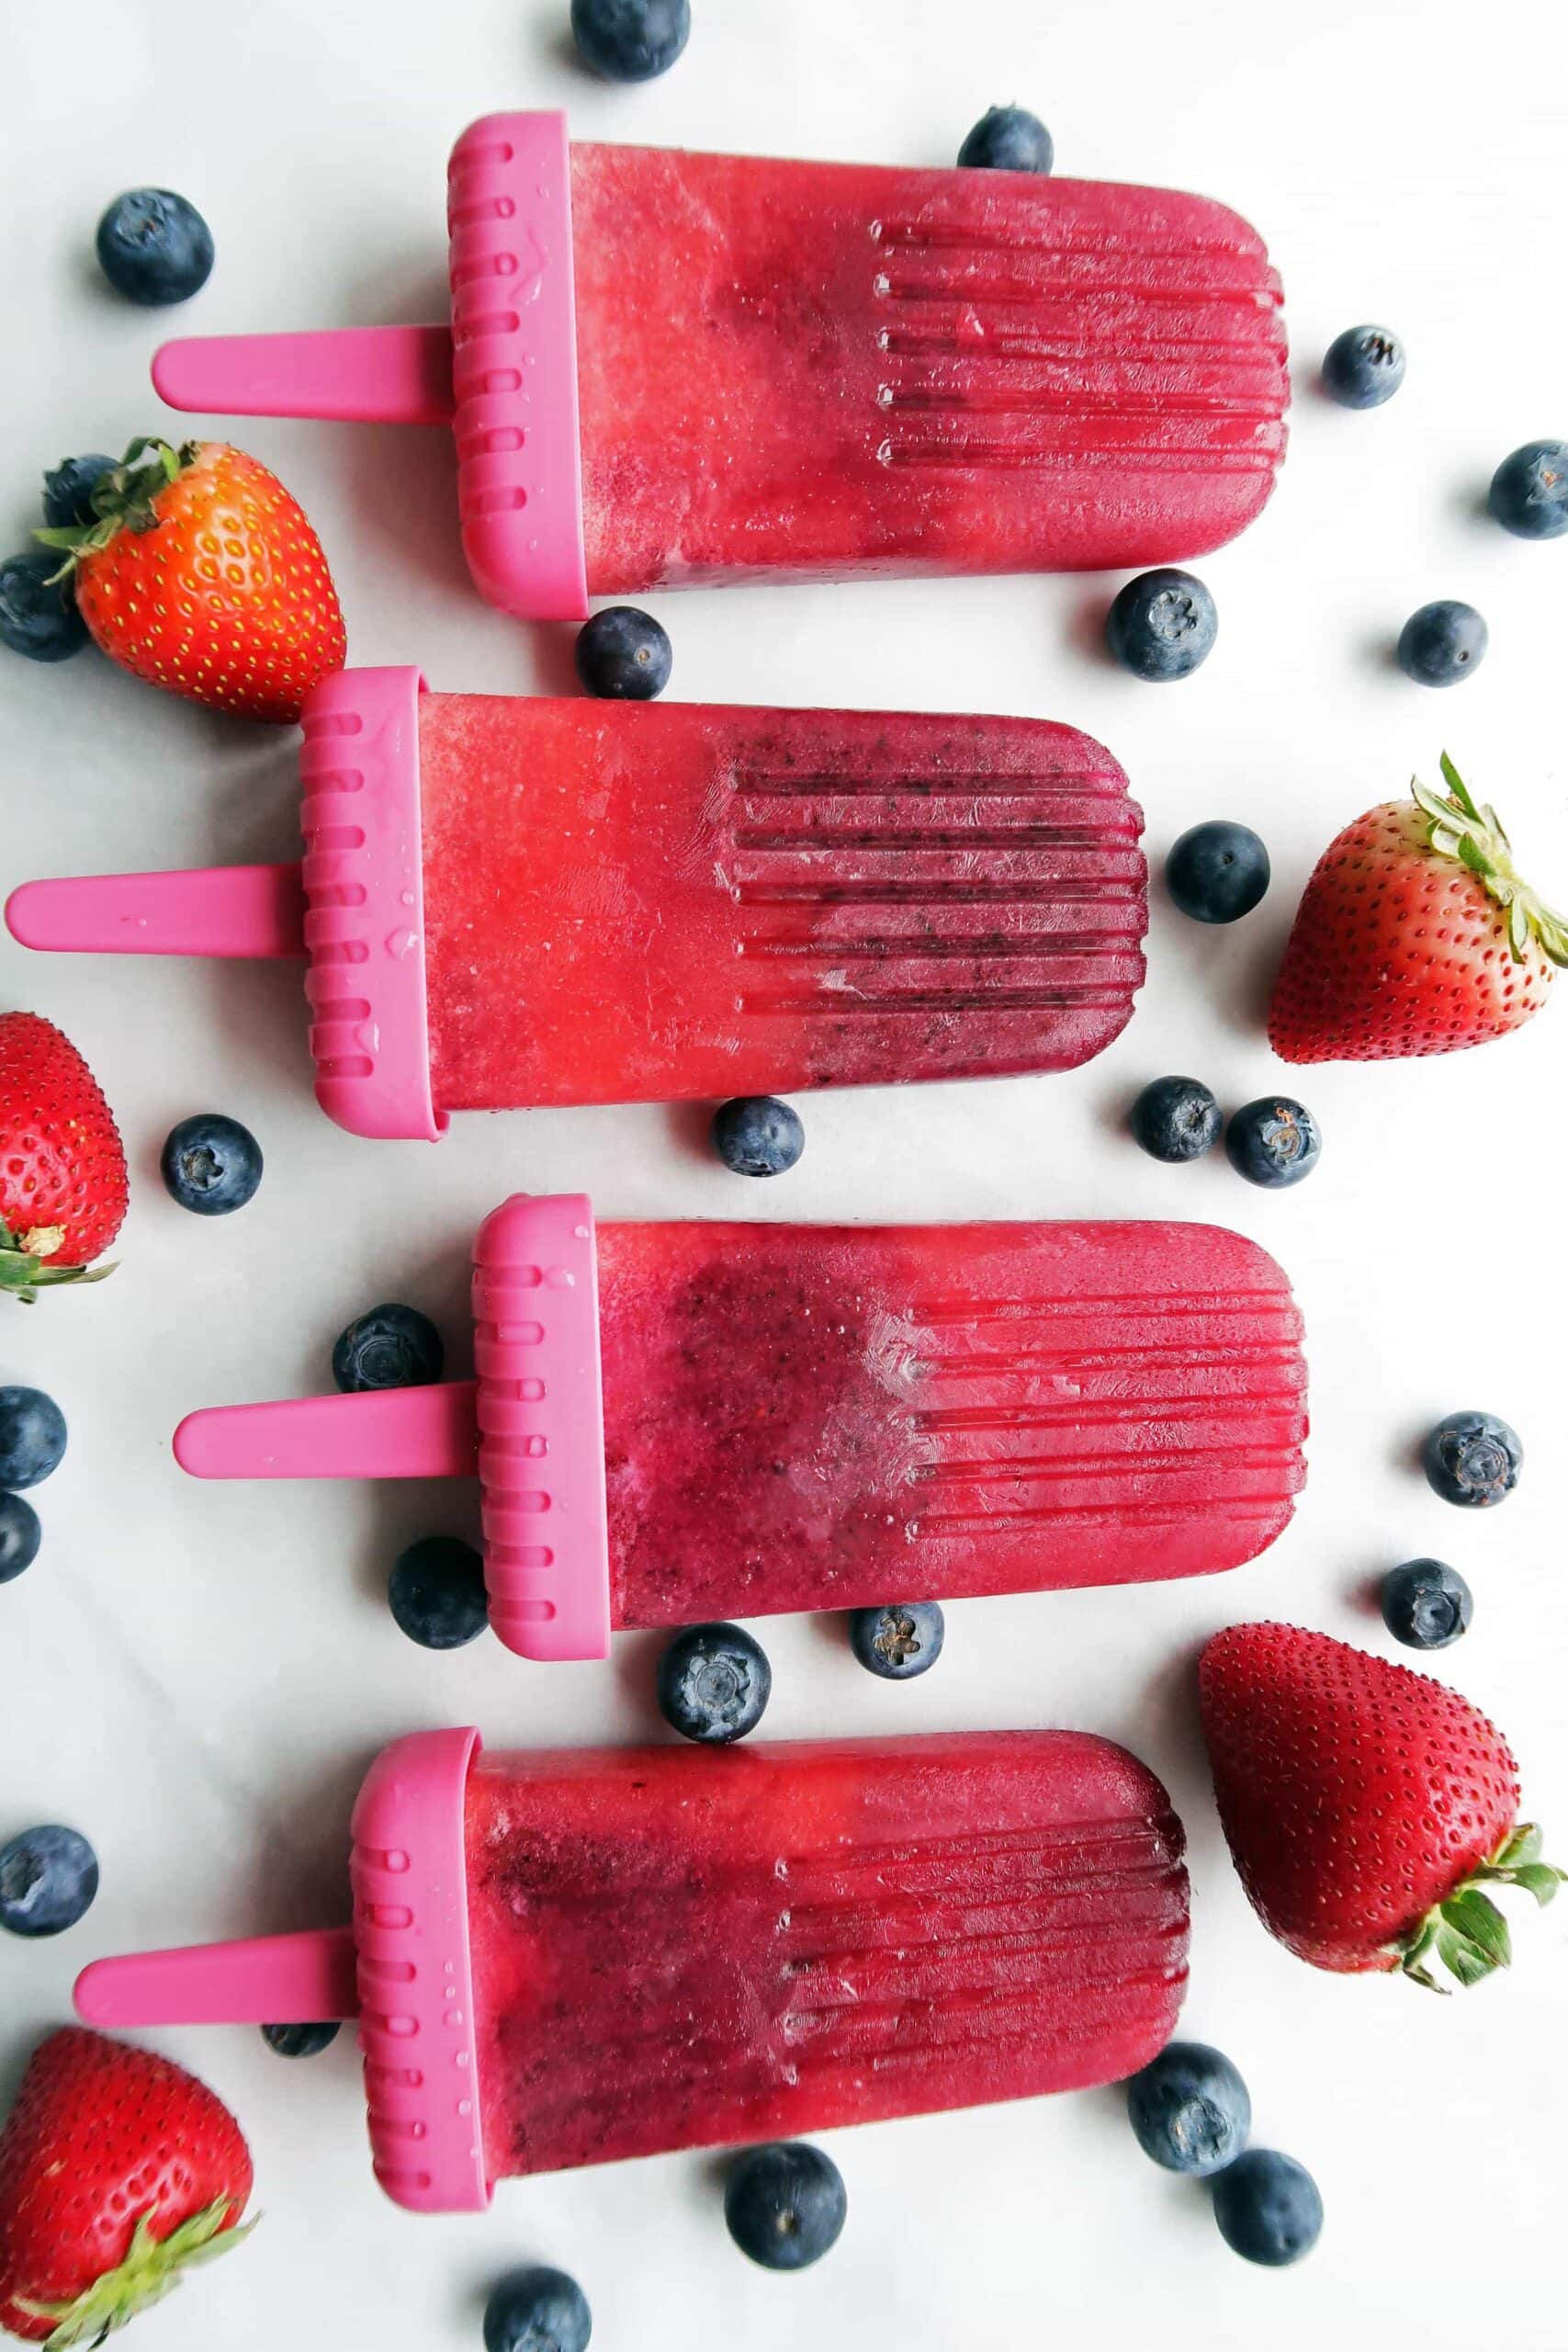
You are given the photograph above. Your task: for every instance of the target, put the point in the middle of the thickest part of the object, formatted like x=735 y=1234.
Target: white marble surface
x=197 y=1675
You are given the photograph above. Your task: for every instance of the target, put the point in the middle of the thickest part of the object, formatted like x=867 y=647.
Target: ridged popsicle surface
x=674 y=1949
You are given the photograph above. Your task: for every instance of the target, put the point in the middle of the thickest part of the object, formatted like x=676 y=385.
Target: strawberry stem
x=25 y=1267
x=152 y=2268
x=1472 y=834
x=1466 y=1933
x=124 y=499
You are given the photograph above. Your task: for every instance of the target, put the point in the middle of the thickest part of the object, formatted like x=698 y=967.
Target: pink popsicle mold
x=504 y=374
x=531 y=1427
x=364 y=882
x=403 y=1968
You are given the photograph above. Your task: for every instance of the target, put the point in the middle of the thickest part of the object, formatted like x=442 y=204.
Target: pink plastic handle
x=348 y=375
x=390 y=1433
x=267 y=1980
x=253 y=910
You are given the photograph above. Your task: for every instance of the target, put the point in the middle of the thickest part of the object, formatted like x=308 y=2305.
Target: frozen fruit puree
x=801 y=1417
x=831 y=369
x=665 y=367
x=671 y=1949
x=694 y=901
x=571 y=1957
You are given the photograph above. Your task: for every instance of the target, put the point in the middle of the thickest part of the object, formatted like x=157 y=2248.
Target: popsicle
x=665 y=368
x=680 y=1422
x=508 y=901
x=574 y=1956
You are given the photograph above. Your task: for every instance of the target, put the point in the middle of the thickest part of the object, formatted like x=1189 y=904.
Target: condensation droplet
x=560 y=1278
x=400 y=944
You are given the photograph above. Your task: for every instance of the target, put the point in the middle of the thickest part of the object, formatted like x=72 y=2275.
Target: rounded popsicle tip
x=92 y=1995
x=194 y=1445
x=26 y=915
x=170 y=372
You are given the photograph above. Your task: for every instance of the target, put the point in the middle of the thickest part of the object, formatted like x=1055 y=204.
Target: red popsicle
x=510 y=901
x=571 y=1958
x=680 y=1422
x=806 y=370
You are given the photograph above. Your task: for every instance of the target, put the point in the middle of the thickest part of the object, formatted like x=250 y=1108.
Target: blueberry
x=1363 y=367
x=39 y=618
x=1273 y=1141
x=388 y=1347
x=1473 y=1459
x=47 y=1879
x=20 y=1536
x=437 y=1593
x=1217 y=872
x=1163 y=625
x=298 y=2041
x=1268 y=2208
x=153 y=247
x=1190 y=2109
x=1425 y=1604
x=1442 y=643
x=756 y=1134
x=714 y=1683
x=630 y=40
x=899 y=1641
x=537 y=2310
x=1529 y=491
x=68 y=490
x=211 y=1165
x=1176 y=1119
x=1008 y=139
x=623 y=655
x=785 y=2204
x=32 y=1436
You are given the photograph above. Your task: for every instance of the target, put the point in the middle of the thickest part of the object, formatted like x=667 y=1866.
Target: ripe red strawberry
x=63 y=1189
x=1365 y=1806
x=1416 y=936
x=202 y=575
x=118 y=2172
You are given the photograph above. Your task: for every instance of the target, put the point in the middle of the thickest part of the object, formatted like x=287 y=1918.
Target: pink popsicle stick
x=266 y=1980
x=390 y=1433
x=251 y=910
x=353 y=375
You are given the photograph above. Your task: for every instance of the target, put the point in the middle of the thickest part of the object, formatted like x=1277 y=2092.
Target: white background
x=197 y=1675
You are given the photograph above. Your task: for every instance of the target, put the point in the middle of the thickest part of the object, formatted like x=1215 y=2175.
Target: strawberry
x=118 y=2172
x=1416 y=936
x=1367 y=1807
x=202 y=574
x=63 y=1189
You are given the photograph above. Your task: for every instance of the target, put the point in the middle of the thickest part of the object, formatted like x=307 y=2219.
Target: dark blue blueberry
x=1268 y=2208
x=1176 y=1119
x=32 y=1436
x=1217 y=872
x=298 y=2041
x=437 y=1593
x=211 y=1165
x=20 y=1536
x=390 y=1346
x=1442 y=643
x=630 y=40
x=1472 y=1459
x=537 y=2310
x=1363 y=367
x=785 y=2204
x=68 y=490
x=1163 y=625
x=623 y=655
x=1190 y=2109
x=1529 y=491
x=153 y=247
x=1008 y=138
x=1425 y=1604
x=714 y=1683
x=47 y=1879
x=899 y=1641
x=1273 y=1141
x=37 y=613
x=756 y=1134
